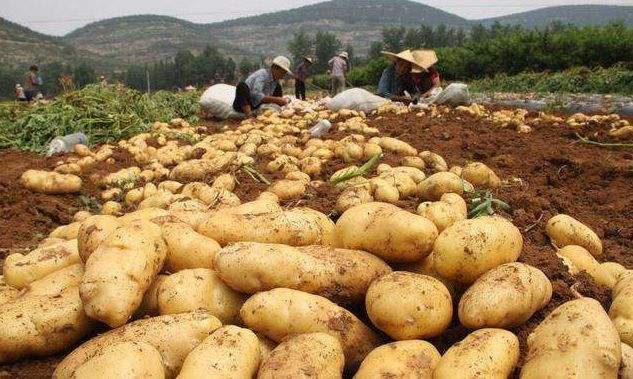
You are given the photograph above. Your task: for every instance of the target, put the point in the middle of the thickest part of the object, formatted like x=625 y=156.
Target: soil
x=545 y=173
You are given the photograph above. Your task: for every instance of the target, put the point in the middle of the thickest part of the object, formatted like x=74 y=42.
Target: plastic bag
x=66 y=144
x=356 y=99
x=218 y=100
x=455 y=94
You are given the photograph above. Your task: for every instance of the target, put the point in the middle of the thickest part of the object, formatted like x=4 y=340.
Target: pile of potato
x=195 y=283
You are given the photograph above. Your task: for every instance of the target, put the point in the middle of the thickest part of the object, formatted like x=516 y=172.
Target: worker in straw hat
x=262 y=87
x=302 y=71
x=397 y=82
x=425 y=75
x=338 y=72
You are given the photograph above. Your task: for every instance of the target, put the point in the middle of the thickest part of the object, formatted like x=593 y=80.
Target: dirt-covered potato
x=400 y=360
x=287 y=189
x=444 y=213
x=149 y=304
x=50 y=182
x=484 y=353
x=120 y=271
x=565 y=230
x=57 y=282
x=174 y=336
x=187 y=249
x=438 y=184
x=386 y=231
x=229 y=352
x=578 y=259
x=310 y=355
x=66 y=232
x=505 y=297
x=613 y=270
x=353 y=197
x=7 y=292
x=626 y=368
x=200 y=288
x=468 y=249
x=340 y=275
x=92 y=232
x=407 y=306
x=434 y=162
x=283 y=312
x=397 y=146
x=20 y=270
x=134 y=360
x=480 y=176
x=621 y=311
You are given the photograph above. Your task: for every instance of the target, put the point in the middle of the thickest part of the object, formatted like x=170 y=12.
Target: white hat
x=424 y=59
x=344 y=55
x=283 y=63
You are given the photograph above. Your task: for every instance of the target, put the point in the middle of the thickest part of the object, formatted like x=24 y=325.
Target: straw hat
x=283 y=63
x=406 y=55
x=310 y=60
x=344 y=55
x=424 y=59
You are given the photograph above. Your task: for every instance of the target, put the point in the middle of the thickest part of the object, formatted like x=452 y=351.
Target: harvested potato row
x=402 y=359
x=50 y=182
x=565 y=230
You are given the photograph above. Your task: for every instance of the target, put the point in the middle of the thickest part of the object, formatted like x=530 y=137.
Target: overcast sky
x=59 y=17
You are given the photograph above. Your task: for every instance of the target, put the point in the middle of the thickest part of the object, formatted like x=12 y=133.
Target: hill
x=567 y=14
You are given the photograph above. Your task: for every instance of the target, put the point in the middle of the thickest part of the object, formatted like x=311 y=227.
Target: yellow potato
x=397 y=146
x=438 y=184
x=484 y=353
x=189 y=290
x=187 y=249
x=50 y=182
x=149 y=304
x=224 y=181
x=443 y=214
x=434 y=162
x=416 y=162
x=57 y=282
x=480 y=175
x=311 y=355
x=92 y=232
x=505 y=297
x=407 y=306
x=288 y=189
x=229 y=352
x=578 y=340
x=147 y=214
x=626 y=369
x=613 y=270
x=191 y=212
x=7 y=292
x=565 y=230
x=386 y=231
x=283 y=312
x=621 y=311
x=134 y=360
x=400 y=360
x=353 y=197
x=81 y=216
x=578 y=259
x=174 y=336
x=470 y=248
x=66 y=232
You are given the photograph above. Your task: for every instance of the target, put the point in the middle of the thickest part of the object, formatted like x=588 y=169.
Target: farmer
x=338 y=72
x=33 y=83
x=425 y=75
x=103 y=81
x=397 y=82
x=301 y=75
x=19 y=93
x=262 y=87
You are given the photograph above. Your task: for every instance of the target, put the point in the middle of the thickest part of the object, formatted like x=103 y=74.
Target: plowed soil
x=545 y=173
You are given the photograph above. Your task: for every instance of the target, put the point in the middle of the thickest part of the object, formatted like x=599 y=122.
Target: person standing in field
x=338 y=72
x=302 y=72
x=262 y=87
x=33 y=83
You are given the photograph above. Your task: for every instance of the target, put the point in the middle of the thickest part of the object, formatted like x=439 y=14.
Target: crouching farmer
x=262 y=87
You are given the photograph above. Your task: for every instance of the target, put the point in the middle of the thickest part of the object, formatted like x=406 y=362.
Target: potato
x=147 y=214
x=135 y=360
x=189 y=290
x=436 y=185
x=397 y=146
x=386 y=231
x=224 y=181
x=311 y=355
x=229 y=352
x=384 y=191
x=187 y=249
x=120 y=271
x=190 y=212
x=468 y=249
x=342 y=276
x=416 y=162
x=400 y=360
x=288 y=189
x=149 y=304
x=370 y=150
x=407 y=306
x=613 y=270
x=353 y=197
x=626 y=369
x=7 y=292
x=92 y=232
x=170 y=185
x=578 y=259
x=484 y=353
x=621 y=310
x=266 y=346
x=480 y=176
x=161 y=199
x=57 y=282
x=174 y=336
x=456 y=201
x=443 y=214
x=20 y=270
x=565 y=230
x=66 y=232
x=50 y=182
x=283 y=312
x=433 y=162
x=505 y=297
x=576 y=339
x=81 y=216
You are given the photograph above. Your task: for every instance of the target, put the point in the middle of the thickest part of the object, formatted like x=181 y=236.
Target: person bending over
x=262 y=87
x=397 y=82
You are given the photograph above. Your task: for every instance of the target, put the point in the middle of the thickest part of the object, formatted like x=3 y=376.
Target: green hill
x=567 y=14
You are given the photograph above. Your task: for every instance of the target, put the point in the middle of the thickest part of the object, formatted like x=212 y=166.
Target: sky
x=58 y=17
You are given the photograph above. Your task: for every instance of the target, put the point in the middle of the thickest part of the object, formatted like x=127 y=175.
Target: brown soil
x=545 y=173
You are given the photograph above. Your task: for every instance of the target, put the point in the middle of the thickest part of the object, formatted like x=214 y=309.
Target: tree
x=182 y=67
x=393 y=38
x=84 y=74
x=375 y=50
x=300 y=46
x=326 y=46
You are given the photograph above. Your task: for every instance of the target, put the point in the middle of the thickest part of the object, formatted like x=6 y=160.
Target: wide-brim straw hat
x=310 y=60
x=283 y=63
x=406 y=55
x=344 y=55
x=424 y=59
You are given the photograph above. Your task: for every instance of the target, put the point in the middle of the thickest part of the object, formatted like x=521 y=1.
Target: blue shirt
x=262 y=84
x=391 y=85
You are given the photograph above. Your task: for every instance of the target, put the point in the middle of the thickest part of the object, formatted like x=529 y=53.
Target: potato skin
x=92 y=232
x=621 y=310
x=120 y=271
x=229 y=352
x=386 y=231
x=50 y=182
x=578 y=259
x=565 y=230
x=174 y=336
x=282 y=312
x=400 y=360
x=342 y=276
x=200 y=288
x=468 y=249
x=7 y=292
x=407 y=306
x=484 y=353
x=576 y=340
x=135 y=360
x=311 y=355
x=444 y=213
x=187 y=249
x=443 y=182
x=626 y=369
x=480 y=175
x=505 y=297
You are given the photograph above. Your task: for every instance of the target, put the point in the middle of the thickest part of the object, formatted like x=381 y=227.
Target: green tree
x=393 y=38
x=300 y=46
x=375 y=50
x=326 y=46
x=84 y=74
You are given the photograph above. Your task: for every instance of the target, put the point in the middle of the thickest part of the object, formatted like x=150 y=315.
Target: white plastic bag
x=218 y=100
x=356 y=99
x=455 y=94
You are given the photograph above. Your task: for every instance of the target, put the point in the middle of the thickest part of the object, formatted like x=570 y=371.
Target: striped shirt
x=262 y=84
x=338 y=66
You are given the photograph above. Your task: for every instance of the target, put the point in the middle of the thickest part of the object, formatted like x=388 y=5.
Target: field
x=552 y=168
